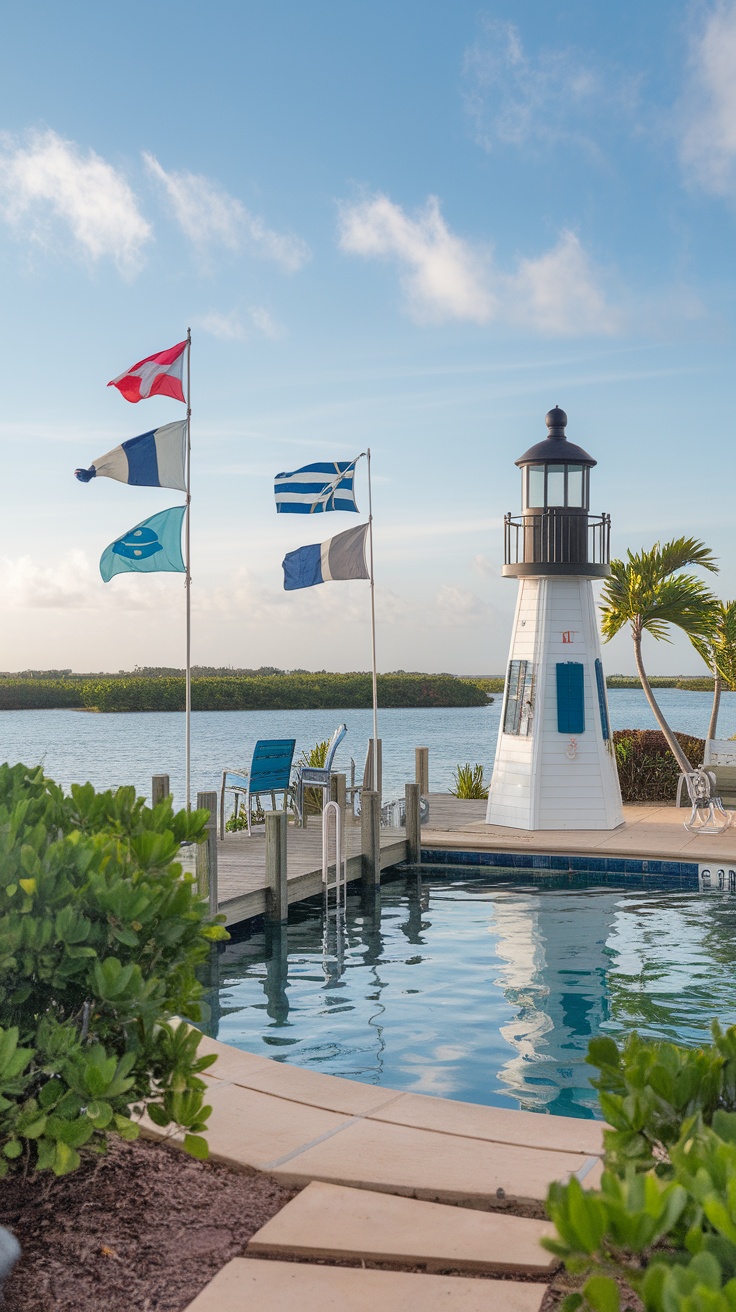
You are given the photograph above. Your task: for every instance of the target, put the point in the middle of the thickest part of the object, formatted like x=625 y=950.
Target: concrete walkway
x=650 y=831
x=388 y=1179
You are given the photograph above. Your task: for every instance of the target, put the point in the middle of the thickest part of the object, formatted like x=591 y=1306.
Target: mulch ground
x=142 y=1229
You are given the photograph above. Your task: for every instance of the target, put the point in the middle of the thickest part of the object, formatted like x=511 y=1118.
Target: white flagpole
x=188 y=581
x=373 y=627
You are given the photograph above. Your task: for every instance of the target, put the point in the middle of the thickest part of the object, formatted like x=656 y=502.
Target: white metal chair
x=318 y=776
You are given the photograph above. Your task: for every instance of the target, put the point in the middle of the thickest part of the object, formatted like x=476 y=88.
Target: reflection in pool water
x=482 y=989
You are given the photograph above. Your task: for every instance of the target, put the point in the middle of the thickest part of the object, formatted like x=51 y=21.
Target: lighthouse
x=555 y=766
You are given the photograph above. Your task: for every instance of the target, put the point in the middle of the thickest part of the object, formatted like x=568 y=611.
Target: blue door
x=570 y=697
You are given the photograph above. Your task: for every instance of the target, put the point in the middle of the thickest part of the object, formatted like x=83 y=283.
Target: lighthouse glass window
x=519 y=708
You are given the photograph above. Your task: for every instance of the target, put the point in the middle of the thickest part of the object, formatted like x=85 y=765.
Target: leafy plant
x=100 y=937
x=647 y=770
x=469 y=783
x=650 y=592
x=663 y=1223
x=315 y=756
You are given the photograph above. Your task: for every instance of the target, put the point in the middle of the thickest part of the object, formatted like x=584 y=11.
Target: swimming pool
x=481 y=987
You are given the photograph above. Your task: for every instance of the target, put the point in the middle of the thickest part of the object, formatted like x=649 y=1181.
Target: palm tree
x=719 y=654
x=648 y=592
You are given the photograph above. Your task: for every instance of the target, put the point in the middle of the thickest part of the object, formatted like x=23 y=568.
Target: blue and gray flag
x=155 y=459
x=325 y=485
x=341 y=557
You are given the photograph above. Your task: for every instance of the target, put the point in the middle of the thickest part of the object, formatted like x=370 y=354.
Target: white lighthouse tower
x=555 y=766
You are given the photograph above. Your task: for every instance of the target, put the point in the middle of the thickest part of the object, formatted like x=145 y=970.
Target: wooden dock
x=241 y=865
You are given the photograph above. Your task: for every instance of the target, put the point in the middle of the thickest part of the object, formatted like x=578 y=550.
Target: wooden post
x=421 y=770
x=338 y=786
x=277 y=890
x=160 y=788
x=370 y=837
x=380 y=766
x=413 y=832
x=206 y=862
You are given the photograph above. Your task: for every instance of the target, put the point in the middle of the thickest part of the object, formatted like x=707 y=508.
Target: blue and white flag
x=155 y=459
x=325 y=485
x=341 y=557
x=151 y=547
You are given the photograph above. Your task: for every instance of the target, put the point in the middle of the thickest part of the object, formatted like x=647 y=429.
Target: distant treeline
x=269 y=692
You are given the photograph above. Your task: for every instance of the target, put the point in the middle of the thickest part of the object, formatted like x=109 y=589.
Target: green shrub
x=647 y=770
x=663 y=1223
x=100 y=938
x=469 y=783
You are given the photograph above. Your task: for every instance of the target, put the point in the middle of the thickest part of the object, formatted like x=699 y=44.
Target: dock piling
x=160 y=788
x=338 y=792
x=421 y=770
x=206 y=860
x=277 y=892
x=413 y=832
x=370 y=837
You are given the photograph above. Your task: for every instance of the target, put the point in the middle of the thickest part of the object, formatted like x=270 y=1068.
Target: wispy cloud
x=73 y=582
x=210 y=216
x=49 y=186
x=708 y=144
x=236 y=327
x=554 y=95
x=445 y=277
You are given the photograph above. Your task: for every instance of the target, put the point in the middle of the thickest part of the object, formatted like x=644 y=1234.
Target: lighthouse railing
x=556 y=536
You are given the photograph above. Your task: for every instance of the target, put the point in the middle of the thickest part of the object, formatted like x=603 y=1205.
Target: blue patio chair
x=270 y=772
x=317 y=776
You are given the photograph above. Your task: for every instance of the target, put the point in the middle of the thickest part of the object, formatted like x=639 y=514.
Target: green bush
x=469 y=783
x=647 y=770
x=100 y=938
x=263 y=693
x=663 y=1223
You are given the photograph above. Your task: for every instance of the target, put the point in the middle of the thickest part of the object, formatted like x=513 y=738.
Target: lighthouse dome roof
x=555 y=448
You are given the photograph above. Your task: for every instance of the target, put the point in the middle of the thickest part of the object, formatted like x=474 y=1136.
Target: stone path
x=384 y=1173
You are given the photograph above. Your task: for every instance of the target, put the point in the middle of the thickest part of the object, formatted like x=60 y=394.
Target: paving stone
x=310 y=1087
x=440 y=1167
x=500 y=1124
x=246 y=1283
x=327 y=1220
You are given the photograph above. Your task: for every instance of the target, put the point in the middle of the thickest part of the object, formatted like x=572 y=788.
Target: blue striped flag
x=325 y=485
x=154 y=459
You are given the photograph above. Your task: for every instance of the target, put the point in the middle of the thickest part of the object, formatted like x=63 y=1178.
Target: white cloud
x=484 y=566
x=231 y=328
x=458 y=607
x=709 y=135
x=45 y=180
x=209 y=215
x=517 y=99
x=73 y=582
x=557 y=294
x=444 y=276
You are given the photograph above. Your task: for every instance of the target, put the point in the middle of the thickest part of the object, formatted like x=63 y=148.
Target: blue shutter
x=602 y=701
x=570 y=698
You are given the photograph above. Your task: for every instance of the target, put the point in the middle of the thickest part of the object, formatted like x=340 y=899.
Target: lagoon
x=114 y=749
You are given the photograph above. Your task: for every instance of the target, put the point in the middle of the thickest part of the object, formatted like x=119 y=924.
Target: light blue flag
x=151 y=547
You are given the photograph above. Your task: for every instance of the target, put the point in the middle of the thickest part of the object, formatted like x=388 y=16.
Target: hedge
x=647 y=770
x=267 y=693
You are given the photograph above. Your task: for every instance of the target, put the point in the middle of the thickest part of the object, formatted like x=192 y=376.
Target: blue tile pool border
x=682 y=873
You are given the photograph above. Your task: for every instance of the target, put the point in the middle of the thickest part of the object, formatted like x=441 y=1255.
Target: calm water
x=117 y=749
x=479 y=990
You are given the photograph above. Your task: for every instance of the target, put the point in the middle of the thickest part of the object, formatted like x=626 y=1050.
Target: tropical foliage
x=647 y=770
x=663 y=1223
x=469 y=782
x=719 y=653
x=267 y=693
x=100 y=938
x=315 y=756
x=651 y=592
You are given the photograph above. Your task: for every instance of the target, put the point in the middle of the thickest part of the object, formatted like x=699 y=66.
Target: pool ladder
x=333 y=951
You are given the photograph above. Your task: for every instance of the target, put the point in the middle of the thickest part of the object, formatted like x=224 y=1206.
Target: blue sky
x=414 y=227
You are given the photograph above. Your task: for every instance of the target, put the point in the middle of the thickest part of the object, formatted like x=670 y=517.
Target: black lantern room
x=555 y=534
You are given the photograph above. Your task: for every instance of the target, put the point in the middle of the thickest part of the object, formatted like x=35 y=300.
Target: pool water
x=483 y=988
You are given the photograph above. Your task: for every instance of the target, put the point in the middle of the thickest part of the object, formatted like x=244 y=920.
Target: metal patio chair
x=270 y=772
x=318 y=776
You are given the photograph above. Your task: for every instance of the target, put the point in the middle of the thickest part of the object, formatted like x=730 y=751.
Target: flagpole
x=188 y=581
x=373 y=626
